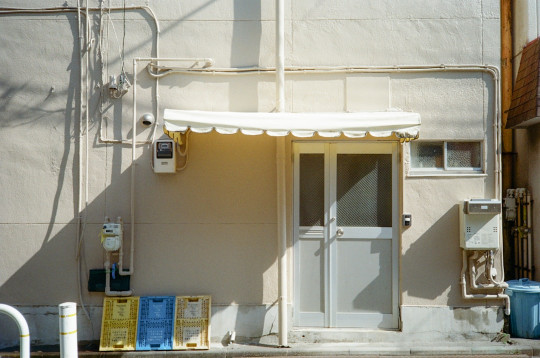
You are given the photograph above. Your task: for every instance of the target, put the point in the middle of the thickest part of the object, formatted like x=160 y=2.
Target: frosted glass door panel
x=311 y=189
x=364 y=190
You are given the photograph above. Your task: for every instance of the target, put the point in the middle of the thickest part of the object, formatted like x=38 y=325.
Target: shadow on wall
x=173 y=257
x=436 y=250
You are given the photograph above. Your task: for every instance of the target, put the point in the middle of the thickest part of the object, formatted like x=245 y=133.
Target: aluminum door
x=346 y=222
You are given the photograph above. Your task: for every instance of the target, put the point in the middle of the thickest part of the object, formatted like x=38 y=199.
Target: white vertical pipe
x=67 y=313
x=529 y=235
x=282 y=240
x=280 y=173
x=133 y=157
x=280 y=56
x=24 y=332
x=79 y=142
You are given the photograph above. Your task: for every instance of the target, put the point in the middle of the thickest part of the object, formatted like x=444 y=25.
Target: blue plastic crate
x=156 y=307
x=155 y=335
x=155 y=326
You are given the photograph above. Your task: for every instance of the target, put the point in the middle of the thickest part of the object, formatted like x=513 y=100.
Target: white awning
x=353 y=125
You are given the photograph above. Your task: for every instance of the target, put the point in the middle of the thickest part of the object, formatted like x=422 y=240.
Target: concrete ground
x=519 y=348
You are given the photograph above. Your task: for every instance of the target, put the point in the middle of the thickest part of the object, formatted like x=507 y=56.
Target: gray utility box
x=480 y=224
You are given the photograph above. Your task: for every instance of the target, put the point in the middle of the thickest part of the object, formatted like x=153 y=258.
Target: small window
x=446 y=157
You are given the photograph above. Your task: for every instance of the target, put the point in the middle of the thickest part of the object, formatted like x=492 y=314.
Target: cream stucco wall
x=211 y=229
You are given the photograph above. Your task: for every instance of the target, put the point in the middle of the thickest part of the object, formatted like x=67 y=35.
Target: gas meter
x=111 y=235
x=479 y=224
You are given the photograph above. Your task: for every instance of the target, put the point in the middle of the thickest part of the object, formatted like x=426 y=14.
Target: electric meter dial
x=111 y=243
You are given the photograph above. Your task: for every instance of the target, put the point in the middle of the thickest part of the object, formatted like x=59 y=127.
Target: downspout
x=506 y=94
x=280 y=173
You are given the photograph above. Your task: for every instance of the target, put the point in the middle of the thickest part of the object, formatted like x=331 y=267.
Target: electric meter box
x=480 y=224
x=164 y=156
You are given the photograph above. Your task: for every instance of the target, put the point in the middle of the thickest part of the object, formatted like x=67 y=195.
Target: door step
x=342 y=335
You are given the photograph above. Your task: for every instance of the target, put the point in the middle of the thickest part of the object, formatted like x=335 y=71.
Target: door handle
x=339 y=232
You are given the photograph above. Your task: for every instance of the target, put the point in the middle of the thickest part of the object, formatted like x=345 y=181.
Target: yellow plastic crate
x=191 y=334
x=119 y=324
x=192 y=322
x=118 y=336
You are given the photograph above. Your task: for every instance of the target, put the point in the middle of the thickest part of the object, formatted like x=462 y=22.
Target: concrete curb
x=523 y=348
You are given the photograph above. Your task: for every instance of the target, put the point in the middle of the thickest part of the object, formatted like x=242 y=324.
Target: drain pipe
x=24 y=332
x=280 y=173
x=121 y=270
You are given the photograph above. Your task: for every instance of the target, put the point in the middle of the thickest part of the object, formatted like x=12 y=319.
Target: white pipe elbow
x=108 y=291
x=24 y=332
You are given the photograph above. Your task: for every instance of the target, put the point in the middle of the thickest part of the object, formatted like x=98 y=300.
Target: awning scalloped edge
x=403 y=125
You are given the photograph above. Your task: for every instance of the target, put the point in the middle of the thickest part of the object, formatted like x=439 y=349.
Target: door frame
x=305 y=319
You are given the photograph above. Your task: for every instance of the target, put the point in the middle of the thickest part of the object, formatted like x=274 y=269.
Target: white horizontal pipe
x=24 y=332
x=479 y=296
x=331 y=69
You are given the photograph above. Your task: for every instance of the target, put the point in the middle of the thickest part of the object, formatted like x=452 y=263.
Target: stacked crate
x=155 y=323
x=192 y=322
x=119 y=324
x=155 y=326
